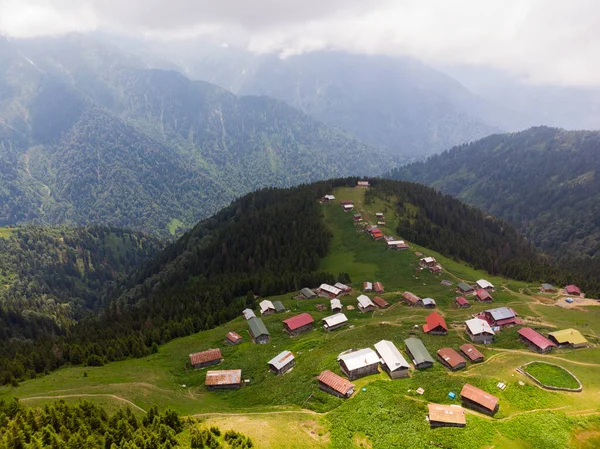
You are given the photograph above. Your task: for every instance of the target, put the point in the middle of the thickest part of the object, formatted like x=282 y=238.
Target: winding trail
x=64 y=396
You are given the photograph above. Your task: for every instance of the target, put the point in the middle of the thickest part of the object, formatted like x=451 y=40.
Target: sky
x=538 y=41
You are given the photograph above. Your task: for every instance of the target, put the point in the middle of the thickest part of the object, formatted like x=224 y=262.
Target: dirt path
x=280 y=412
x=64 y=396
x=518 y=351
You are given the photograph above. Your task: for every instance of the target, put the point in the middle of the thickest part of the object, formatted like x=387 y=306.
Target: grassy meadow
x=291 y=412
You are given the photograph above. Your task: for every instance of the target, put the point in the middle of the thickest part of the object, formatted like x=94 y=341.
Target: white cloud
x=541 y=41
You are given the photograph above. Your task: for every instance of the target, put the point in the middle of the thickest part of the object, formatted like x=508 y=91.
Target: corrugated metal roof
x=205 y=356
x=482 y=283
x=478 y=326
x=390 y=355
x=336 y=319
x=367 y=286
x=336 y=382
x=536 y=338
x=359 y=359
x=480 y=397
x=502 y=313
x=450 y=414
x=572 y=290
x=223 y=377
x=434 y=320
x=233 y=336
x=418 y=350
x=483 y=295
x=365 y=301
x=451 y=357
x=342 y=287
x=279 y=307
x=378 y=287
x=548 y=286
x=571 y=336
x=462 y=301
x=298 y=321
x=265 y=305
x=380 y=302
x=471 y=352
x=410 y=297
x=335 y=304
x=308 y=293
x=248 y=313
x=428 y=259
x=257 y=327
x=281 y=359
x=465 y=287
x=330 y=289
x=428 y=301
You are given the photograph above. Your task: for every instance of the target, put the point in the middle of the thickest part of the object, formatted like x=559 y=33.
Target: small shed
x=365 y=304
x=391 y=359
x=233 y=338
x=483 y=295
x=282 y=363
x=336 y=305
x=451 y=359
x=568 y=337
x=363 y=184
x=328 y=198
x=472 y=353
x=367 y=287
x=479 y=331
x=266 y=307
x=428 y=303
x=446 y=415
x=307 y=293
x=462 y=303
x=535 y=340
x=427 y=262
x=334 y=322
x=359 y=363
x=258 y=331
x=279 y=307
x=298 y=324
x=205 y=358
x=477 y=399
x=435 y=324
x=378 y=287
x=223 y=379
x=418 y=353
x=380 y=302
x=336 y=385
x=248 y=313
x=464 y=288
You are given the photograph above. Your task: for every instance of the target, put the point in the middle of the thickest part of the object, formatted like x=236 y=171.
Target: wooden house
x=336 y=385
x=418 y=353
x=223 y=379
x=568 y=338
x=476 y=399
x=380 y=302
x=336 y=305
x=279 y=307
x=464 y=289
x=472 y=353
x=343 y=287
x=205 y=358
x=391 y=359
x=298 y=324
x=266 y=307
x=378 y=287
x=572 y=290
x=427 y=262
x=334 y=322
x=451 y=359
x=548 y=288
x=328 y=291
x=376 y=234
x=486 y=285
x=347 y=205
x=367 y=287
x=282 y=363
x=365 y=304
x=446 y=416
x=435 y=324
x=356 y=218
x=327 y=198
x=483 y=295
x=233 y=338
x=411 y=299
x=501 y=317
x=258 y=331
x=535 y=340
x=479 y=331
x=248 y=313
x=307 y=293
x=428 y=303
x=379 y=215
x=363 y=184
x=462 y=303
x=359 y=363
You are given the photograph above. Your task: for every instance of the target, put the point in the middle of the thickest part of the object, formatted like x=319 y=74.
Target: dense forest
x=544 y=181
x=91 y=136
x=266 y=243
x=85 y=425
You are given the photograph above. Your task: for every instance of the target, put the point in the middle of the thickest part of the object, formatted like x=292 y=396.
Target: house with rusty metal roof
x=335 y=385
x=223 y=379
x=391 y=359
x=472 y=353
x=380 y=302
x=205 y=358
x=477 y=399
x=451 y=359
x=233 y=338
x=446 y=415
x=411 y=299
x=282 y=363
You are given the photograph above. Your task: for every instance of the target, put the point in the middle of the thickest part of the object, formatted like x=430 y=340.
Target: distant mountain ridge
x=543 y=180
x=89 y=134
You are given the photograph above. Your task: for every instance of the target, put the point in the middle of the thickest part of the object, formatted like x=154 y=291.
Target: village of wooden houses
x=475 y=322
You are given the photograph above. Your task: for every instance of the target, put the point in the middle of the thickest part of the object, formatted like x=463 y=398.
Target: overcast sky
x=543 y=41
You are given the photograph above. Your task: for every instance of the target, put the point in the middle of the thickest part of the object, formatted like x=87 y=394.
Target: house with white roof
x=391 y=359
x=479 y=331
x=365 y=304
x=336 y=305
x=282 y=363
x=359 y=363
x=486 y=285
x=328 y=291
x=334 y=322
x=266 y=307
x=248 y=313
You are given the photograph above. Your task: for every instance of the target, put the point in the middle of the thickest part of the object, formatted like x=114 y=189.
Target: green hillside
x=543 y=180
x=290 y=411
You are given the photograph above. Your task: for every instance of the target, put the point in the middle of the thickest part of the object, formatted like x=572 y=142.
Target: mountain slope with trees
x=544 y=180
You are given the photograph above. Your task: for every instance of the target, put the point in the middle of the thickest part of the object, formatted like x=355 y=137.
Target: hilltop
x=290 y=410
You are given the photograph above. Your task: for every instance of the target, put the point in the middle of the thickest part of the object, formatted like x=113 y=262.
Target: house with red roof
x=462 y=302
x=572 y=290
x=535 y=340
x=205 y=358
x=380 y=302
x=376 y=234
x=298 y=324
x=435 y=324
x=378 y=287
x=483 y=295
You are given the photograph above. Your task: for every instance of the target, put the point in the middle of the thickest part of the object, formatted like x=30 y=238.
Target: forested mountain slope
x=543 y=180
x=269 y=242
x=89 y=135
